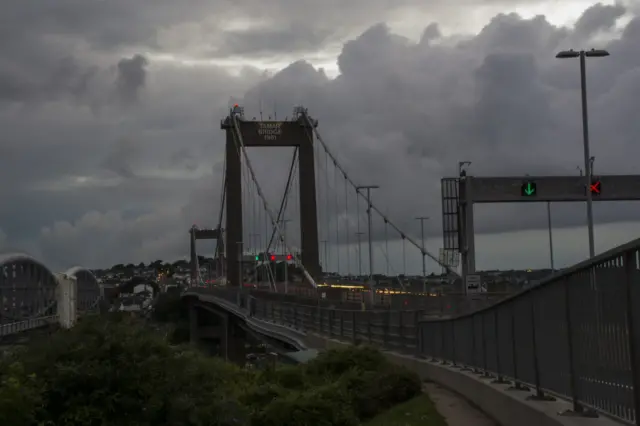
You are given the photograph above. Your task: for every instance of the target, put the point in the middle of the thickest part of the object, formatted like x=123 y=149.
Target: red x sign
x=595 y=187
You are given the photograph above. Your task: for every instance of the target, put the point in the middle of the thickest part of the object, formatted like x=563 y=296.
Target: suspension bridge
x=259 y=244
x=563 y=352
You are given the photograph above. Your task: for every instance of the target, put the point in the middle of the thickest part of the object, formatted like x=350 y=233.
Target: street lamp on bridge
x=369 y=188
x=582 y=55
x=424 y=264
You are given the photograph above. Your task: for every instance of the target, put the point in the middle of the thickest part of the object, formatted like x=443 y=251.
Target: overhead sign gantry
x=461 y=193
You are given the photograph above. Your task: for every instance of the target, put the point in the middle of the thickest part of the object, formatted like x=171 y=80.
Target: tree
x=141 y=265
x=117 y=372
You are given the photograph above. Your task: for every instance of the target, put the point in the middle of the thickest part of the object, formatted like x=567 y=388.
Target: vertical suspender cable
x=326 y=201
x=335 y=179
x=404 y=258
x=386 y=243
x=238 y=139
x=346 y=208
x=310 y=122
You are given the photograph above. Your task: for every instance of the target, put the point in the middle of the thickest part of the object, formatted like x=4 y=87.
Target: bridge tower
x=267 y=134
x=195 y=234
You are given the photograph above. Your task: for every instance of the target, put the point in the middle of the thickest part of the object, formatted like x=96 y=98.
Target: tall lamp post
x=286 y=262
x=359 y=235
x=369 y=188
x=424 y=263
x=583 y=55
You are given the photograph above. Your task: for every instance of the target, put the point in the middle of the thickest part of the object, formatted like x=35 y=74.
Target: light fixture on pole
x=582 y=55
x=369 y=188
x=424 y=264
x=286 y=263
x=461 y=168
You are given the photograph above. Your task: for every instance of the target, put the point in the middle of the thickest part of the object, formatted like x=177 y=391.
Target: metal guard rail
x=575 y=335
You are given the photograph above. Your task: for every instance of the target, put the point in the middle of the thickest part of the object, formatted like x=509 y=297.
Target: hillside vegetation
x=116 y=371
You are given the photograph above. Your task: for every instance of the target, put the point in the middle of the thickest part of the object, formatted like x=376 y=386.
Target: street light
x=286 y=264
x=369 y=188
x=593 y=53
x=424 y=265
x=461 y=171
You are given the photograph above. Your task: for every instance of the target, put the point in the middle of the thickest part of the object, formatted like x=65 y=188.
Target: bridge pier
x=205 y=325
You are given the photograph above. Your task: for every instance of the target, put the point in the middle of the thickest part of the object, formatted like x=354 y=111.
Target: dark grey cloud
x=411 y=111
x=119 y=161
x=131 y=79
x=111 y=184
x=598 y=18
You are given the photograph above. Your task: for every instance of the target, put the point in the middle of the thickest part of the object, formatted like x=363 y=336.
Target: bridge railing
x=433 y=305
x=575 y=335
x=388 y=329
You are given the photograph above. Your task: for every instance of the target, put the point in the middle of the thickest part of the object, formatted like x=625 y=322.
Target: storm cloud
x=112 y=148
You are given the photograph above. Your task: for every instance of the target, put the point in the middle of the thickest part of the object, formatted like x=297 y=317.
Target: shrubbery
x=170 y=308
x=117 y=372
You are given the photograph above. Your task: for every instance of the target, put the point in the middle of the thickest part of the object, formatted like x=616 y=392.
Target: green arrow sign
x=528 y=189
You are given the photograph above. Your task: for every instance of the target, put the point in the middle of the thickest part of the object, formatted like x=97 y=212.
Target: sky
x=111 y=146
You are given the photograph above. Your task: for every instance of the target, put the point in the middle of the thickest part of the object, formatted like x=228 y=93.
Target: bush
x=116 y=372
x=326 y=405
x=169 y=307
x=19 y=393
x=356 y=382
x=373 y=392
x=288 y=376
x=337 y=362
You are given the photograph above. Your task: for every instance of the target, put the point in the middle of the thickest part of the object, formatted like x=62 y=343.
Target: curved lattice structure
x=130 y=285
x=27 y=289
x=88 y=288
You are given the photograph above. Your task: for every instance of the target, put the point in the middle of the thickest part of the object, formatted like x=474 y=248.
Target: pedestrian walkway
x=456 y=410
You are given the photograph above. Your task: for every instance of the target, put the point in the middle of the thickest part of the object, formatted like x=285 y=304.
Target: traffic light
x=289 y=257
x=528 y=189
x=257 y=257
x=595 y=187
x=273 y=257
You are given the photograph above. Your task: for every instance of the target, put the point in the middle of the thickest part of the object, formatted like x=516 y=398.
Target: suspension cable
x=309 y=121
x=337 y=216
x=346 y=208
x=250 y=176
x=358 y=233
x=404 y=257
x=385 y=253
x=386 y=242
x=316 y=171
x=326 y=204
x=223 y=196
x=239 y=139
x=285 y=197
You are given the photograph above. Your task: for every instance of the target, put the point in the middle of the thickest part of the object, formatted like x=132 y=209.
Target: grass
x=418 y=411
